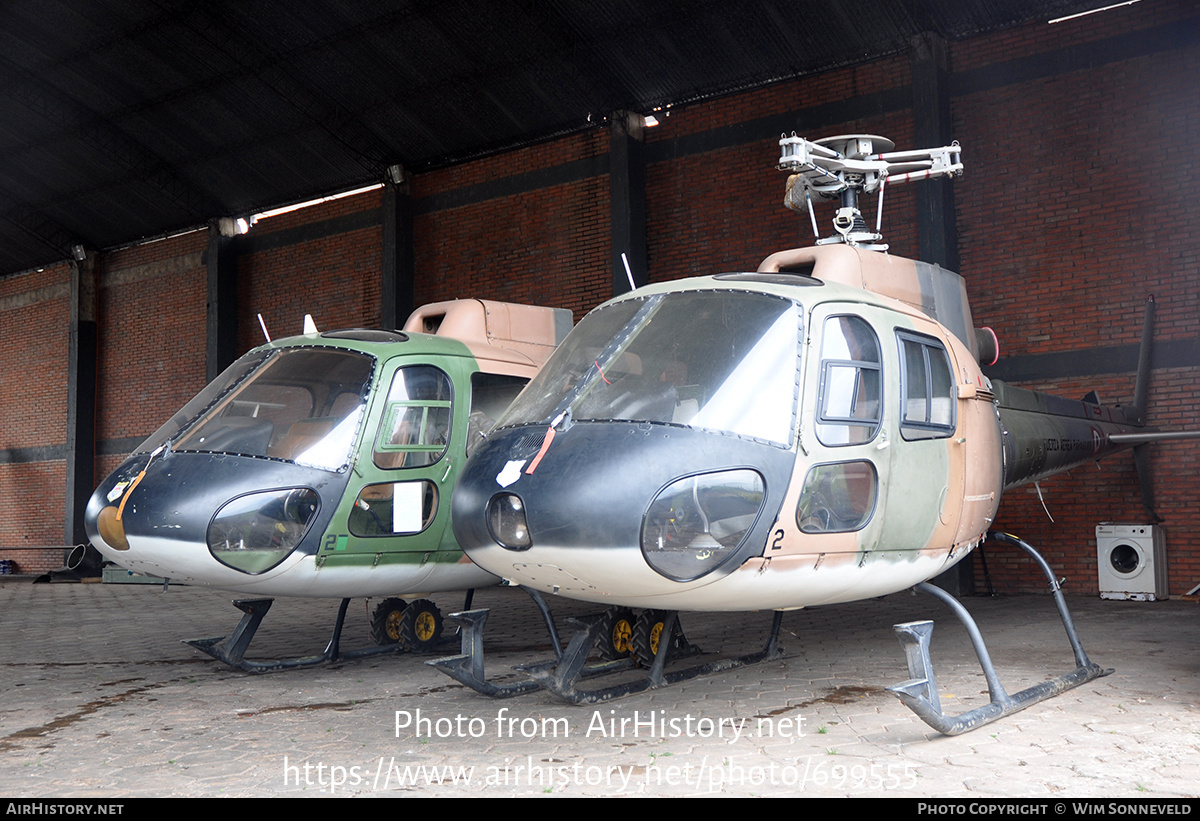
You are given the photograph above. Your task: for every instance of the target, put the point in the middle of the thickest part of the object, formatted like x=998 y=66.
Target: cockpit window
x=226 y=380
x=300 y=404
x=717 y=360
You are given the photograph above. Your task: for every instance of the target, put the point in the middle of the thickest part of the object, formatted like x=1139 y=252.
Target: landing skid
x=920 y=692
x=561 y=676
x=232 y=650
x=235 y=646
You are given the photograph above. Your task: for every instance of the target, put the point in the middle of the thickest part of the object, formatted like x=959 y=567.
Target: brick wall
x=1074 y=206
x=33 y=417
x=548 y=245
x=151 y=323
x=1077 y=204
x=289 y=266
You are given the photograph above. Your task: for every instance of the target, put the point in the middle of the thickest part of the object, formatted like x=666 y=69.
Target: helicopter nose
x=104 y=520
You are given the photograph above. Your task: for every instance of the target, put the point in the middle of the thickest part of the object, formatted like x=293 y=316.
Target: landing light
x=506 y=522
x=253 y=533
x=694 y=524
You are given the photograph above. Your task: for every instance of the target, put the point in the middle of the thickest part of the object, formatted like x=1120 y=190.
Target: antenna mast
x=843 y=167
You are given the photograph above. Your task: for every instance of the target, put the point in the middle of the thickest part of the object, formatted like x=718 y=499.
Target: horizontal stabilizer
x=1152 y=436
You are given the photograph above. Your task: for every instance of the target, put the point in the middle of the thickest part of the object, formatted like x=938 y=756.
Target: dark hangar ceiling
x=128 y=120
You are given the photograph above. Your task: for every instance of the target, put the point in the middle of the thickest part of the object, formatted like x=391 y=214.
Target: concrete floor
x=102 y=700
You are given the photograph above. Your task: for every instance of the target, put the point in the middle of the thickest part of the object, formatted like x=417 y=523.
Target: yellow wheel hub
x=622 y=636
x=655 y=635
x=393 y=624
x=425 y=626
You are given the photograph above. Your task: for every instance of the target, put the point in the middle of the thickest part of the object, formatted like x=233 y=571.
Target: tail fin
x=1141 y=461
x=1142 y=389
x=1141 y=392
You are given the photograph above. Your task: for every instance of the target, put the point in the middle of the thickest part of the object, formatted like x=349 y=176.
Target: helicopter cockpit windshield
x=303 y=405
x=715 y=360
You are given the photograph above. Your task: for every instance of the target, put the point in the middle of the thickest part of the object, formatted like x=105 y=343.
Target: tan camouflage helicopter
x=817 y=431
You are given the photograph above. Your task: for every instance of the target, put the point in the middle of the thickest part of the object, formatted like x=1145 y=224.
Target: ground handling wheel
x=421 y=626
x=385 y=621
x=648 y=633
x=616 y=634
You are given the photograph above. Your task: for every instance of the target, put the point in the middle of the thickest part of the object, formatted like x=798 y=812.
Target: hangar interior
x=148 y=156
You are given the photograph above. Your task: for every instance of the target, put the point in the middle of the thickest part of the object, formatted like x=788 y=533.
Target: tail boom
x=1044 y=435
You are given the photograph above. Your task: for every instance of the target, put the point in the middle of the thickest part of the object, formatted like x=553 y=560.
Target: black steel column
x=936 y=224
x=81 y=396
x=933 y=127
x=627 y=192
x=222 y=325
x=398 y=270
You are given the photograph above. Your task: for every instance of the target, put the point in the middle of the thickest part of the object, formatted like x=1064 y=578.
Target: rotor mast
x=846 y=166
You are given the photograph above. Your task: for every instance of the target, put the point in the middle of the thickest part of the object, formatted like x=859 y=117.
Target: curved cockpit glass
x=716 y=360
x=304 y=405
x=226 y=379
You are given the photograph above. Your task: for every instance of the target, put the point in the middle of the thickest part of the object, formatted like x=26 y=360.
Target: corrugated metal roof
x=120 y=121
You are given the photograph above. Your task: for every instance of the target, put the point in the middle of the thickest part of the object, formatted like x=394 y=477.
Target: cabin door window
x=394 y=508
x=927 y=388
x=838 y=498
x=849 y=406
x=416 y=422
x=491 y=394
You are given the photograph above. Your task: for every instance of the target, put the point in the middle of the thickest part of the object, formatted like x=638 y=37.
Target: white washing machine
x=1132 y=562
